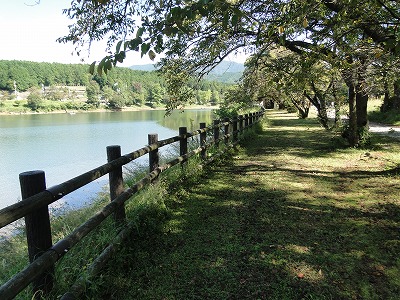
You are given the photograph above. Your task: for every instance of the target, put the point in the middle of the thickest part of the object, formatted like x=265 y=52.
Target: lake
x=65 y=145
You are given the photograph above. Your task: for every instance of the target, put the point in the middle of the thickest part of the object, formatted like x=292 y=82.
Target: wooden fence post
x=226 y=131
x=183 y=143
x=216 y=133
x=38 y=230
x=154 y=158
x=203 y=140
x=116 y=183
x=235 y=129
x=241 y=124
x=246 y=120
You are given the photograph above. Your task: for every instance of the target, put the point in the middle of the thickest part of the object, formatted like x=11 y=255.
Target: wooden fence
x=43 y=254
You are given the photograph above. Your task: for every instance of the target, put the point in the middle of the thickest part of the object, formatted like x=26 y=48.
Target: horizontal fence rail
x=43 y=255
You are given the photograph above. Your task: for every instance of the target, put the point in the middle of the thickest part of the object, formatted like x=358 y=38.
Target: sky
x=28 y=31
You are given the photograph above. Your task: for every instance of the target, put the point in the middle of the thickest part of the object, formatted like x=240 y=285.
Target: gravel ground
x=393 y=131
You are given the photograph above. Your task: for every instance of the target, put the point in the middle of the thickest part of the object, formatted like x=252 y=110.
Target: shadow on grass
x=241 y=234
x=233 y=238
x=306 y=139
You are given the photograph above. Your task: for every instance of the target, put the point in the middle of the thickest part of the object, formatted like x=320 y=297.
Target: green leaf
x=118 y=46
x=139 y=32
x=235 y=20
x=126 y=44
x=203 y=11
x=225 y=20
x=397 y=48
x=176 y=12
x=135 y=43
x=152 y=55
x=119 y=57
x=108 y=65
x=144 y=48
x=167 y=30
x=91 y=68
x=100 y=67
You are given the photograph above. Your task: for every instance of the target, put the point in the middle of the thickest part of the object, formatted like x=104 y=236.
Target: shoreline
x=98 y=110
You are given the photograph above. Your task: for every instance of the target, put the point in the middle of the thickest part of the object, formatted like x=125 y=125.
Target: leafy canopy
x=206 y=31
x=201 y=33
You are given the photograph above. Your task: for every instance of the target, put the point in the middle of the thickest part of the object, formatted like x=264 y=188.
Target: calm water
x=65 y=145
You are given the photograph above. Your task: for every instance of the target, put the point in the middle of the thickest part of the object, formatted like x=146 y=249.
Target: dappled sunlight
x=307 y=209
x=219 y=262
x=286 y=218
x=298 y=249
x=304 y=271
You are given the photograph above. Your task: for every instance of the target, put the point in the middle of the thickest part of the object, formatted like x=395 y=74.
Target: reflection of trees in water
x=187 y=118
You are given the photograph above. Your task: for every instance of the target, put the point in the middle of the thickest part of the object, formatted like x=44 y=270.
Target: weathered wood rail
x=43 y=254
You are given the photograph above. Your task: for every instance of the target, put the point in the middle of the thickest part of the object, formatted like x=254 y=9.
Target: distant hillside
x=119 y=88
x=226 y=71
x=228 y=67
x=146 y=67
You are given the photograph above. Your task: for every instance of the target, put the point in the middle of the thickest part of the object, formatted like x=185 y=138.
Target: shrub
x=34 y=101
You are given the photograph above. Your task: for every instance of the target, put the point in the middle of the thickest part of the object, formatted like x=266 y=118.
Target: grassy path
x=290 y=217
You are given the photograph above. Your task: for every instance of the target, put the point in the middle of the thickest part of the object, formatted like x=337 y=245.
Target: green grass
x=13 y=250
x=375 y=115
x=46 y=106
x=391 y=117
x=291 y=216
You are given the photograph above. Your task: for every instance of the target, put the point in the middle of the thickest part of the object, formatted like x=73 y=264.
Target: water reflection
x=65 y=145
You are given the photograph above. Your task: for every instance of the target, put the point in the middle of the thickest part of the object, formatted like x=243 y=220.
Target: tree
x=202 y=33
x=56 y=93
x=387 y=82
x=35 y=100
x=117 y=101
x=93 y=92
x=156 y=94
x=291 y=79
x=222 y=27
x=215 y=97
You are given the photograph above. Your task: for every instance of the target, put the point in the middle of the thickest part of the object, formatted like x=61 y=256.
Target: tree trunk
x=361 y=107
x=323 y=115
x=352 y=132
x=303 y=107
x=321 y=109
x=354 y=78
x=396 y=96
x=386 y=105
x=336 y=103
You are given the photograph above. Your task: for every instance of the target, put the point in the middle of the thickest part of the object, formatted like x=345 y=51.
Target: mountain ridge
x=226 y=71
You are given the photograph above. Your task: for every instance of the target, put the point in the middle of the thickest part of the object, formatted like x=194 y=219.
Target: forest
x=118 y=88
